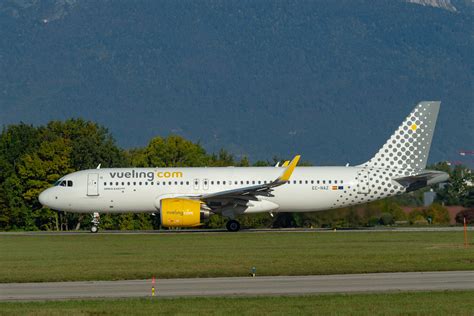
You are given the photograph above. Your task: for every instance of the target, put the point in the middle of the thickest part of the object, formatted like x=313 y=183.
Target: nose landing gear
x=233 y=225
x=95 y=222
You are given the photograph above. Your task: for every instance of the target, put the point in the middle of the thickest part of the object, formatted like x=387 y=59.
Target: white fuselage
x=141 y=189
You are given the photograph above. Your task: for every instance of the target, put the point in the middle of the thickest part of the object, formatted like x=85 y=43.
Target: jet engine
x=175 y=212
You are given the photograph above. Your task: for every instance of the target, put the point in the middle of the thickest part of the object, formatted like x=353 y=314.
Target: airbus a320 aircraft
x=185 y=197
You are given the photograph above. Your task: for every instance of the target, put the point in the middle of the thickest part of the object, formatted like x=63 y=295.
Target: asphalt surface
x=262 y=230
x=242 y=286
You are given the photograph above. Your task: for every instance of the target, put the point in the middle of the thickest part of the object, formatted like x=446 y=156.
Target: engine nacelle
x=176 y=212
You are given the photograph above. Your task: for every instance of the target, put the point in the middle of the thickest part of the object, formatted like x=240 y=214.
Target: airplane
x=186 y=197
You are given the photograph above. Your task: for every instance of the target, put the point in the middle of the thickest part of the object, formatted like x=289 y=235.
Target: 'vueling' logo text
x=149 y=175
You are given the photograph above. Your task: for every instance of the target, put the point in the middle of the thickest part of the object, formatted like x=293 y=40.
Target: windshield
x=63 y=183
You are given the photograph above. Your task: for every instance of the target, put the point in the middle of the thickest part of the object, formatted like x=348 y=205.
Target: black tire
x=233 y=226
x=94 y=229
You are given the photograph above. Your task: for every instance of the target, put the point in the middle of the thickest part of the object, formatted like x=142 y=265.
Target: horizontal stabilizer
x=427 y=177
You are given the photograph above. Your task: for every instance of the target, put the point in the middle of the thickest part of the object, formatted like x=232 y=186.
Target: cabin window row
x=219 y=182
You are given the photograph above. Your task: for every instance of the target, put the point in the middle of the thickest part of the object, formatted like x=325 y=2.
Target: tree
x=172 y=151
x=91 y=144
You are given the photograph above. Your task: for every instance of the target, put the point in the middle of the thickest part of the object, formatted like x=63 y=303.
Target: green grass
x=111 y=257
x=413 y=303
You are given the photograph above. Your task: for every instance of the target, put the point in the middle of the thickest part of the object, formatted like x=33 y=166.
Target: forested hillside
x=327 y=79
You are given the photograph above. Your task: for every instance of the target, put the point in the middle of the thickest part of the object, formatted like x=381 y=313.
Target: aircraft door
x=93 y=184
x=363 y=182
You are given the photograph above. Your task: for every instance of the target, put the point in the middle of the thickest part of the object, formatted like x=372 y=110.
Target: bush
x=387 y=219
x=438 y=214
x=468 y=214
x=373 y=221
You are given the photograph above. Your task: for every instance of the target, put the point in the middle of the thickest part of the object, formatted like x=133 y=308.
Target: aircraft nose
x=45 y=198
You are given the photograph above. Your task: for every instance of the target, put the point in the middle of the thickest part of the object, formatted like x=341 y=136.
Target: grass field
x=37 y=258
x=414 y=303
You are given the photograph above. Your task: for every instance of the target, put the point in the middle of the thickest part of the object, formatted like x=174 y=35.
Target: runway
x=260 y=230
x=242 y=286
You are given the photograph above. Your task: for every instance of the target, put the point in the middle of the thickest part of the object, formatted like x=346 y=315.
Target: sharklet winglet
x=289 y=170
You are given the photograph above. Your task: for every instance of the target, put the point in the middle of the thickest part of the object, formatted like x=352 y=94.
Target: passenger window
x=187 y=182
x=329 y=182
x=317 y=182
x=335 y=181
x=123 y=183
x=151 y=183
x=164 y=182
x=134 y=183
x=181 y=183
x=312 y=181
x=324 y=181
x=248 y=182
x=301 y=181
x=128 y=183
x=253 y=182
x=111 y=183
x=259 y=182
x=223 y=182
x=105 y=183
x=170 y=183
x=176 y=183
x=139 y=183
x=294 y=181
x=146 y=183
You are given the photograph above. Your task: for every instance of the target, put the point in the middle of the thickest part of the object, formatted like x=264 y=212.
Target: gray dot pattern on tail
x=404 y=154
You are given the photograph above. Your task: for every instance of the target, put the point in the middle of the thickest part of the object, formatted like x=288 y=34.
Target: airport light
x=253 y=272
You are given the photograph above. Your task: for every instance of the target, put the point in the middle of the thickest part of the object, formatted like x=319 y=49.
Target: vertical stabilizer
x=409 y=146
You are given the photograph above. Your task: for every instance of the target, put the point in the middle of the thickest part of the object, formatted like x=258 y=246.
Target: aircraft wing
x=251 y=192
x=422 y=179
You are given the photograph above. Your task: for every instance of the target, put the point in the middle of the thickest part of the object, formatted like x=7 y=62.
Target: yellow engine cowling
x=180 y=213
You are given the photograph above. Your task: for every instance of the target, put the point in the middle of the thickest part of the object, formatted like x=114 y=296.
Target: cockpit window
x=64 y=183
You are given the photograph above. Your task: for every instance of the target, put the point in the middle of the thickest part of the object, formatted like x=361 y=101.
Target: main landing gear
x=233 y=225
x=95 y=222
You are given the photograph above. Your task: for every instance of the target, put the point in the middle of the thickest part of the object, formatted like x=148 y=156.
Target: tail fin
x=409 y=146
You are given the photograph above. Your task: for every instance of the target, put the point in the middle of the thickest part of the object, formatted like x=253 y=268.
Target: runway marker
x=153 y=286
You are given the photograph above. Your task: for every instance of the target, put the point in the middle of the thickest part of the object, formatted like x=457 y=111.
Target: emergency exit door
x=93 y=184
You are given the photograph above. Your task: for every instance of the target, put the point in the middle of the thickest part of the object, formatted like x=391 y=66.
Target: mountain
x=328 y=79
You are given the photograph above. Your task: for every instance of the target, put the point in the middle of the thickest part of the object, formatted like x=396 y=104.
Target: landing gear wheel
x=233 y=226
x=95 y=222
